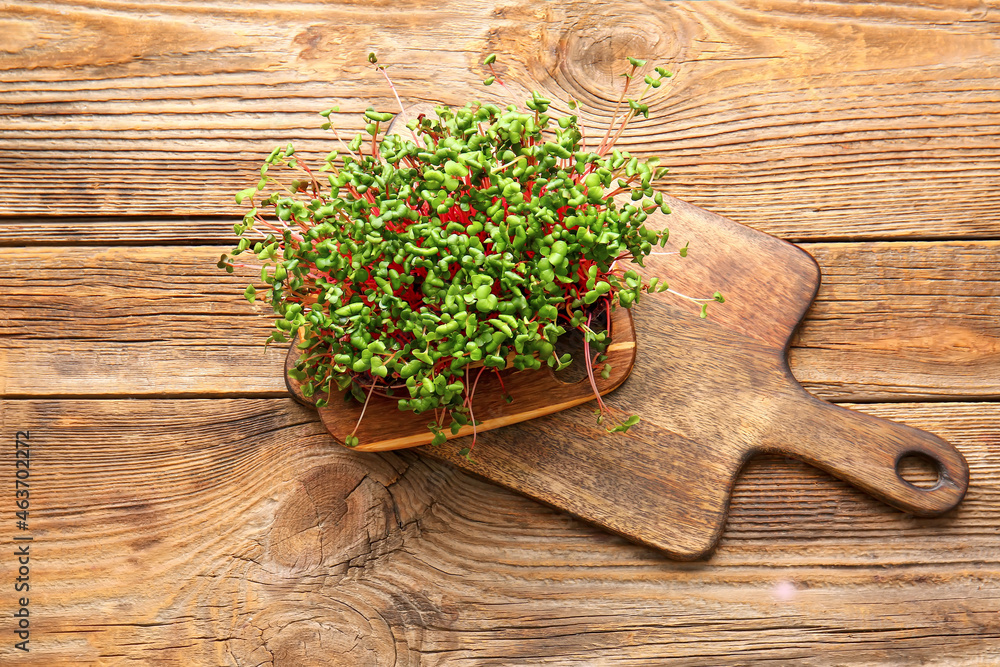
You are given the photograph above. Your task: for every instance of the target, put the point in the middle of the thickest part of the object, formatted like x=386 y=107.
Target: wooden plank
x=110 y=230
x=770 y=119
x=892 y=320
x=896 y=320
x=235 y=532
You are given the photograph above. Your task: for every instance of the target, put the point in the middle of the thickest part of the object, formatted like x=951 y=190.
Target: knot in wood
x=314 y=630
x=338 y=517
x=594 y=51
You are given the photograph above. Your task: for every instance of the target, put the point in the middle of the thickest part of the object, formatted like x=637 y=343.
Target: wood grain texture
x=843 y=330
x=892 y=320
x=295 y=551
x=231 y=530
x=839 y=120
x=115 y=231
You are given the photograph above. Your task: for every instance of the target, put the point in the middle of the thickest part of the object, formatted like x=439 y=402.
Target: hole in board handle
x=919 y=470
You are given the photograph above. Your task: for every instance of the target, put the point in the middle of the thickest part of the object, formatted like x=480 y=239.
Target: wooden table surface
x=185 y=511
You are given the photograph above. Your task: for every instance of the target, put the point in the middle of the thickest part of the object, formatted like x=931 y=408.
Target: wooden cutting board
x=711 y=392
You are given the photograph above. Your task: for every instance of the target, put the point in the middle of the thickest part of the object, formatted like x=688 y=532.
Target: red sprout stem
x=500 y=377
x=472 y=417
x=517 y=103
x=590 y=368
x=315 y=183
x=601 y=148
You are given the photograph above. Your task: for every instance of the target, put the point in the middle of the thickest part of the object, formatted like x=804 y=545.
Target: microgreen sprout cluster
x=411 y=265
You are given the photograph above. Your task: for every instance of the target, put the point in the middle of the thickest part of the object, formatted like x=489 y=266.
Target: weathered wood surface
x=213 y=521
x=892 y=321
x=235 y=531
x=830 y=121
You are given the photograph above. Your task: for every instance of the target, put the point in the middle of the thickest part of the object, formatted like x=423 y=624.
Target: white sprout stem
x=590 y=367
x=402 y=111
x=258 y=219
x=335 y=134
x=689 y=298
x=364 y=407
x=509 y=164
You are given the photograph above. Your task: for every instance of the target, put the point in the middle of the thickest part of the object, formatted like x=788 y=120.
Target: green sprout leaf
x=243 y=194
x=414 y=265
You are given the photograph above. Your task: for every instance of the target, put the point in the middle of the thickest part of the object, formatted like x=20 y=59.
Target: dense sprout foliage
x=411 y=265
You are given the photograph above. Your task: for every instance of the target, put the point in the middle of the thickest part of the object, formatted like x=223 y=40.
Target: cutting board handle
x=866 y=451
